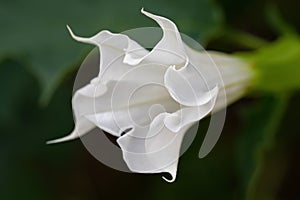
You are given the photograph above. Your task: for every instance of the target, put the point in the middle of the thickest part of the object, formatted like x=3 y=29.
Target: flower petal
x=134 y=100
x=192 y=84
x=168 y=51
x=155 y=154
x=82 y=126
x=159 y=150
x=187 y=115
x=130 y=102
x=114 y=48
x=82 y=103
x=219 y=68
x=187 y=86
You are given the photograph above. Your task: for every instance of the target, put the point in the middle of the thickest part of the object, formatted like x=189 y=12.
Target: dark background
x=255 y=158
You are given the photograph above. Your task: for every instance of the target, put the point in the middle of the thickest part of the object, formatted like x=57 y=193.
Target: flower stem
x=277 y=65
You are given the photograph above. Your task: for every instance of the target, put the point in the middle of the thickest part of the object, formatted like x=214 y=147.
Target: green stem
x=277 y=65
x=262 y=151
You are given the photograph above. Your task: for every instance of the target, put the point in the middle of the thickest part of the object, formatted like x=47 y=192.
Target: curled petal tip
x=169 y=180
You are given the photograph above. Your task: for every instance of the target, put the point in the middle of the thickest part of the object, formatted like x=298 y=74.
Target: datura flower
x=174 y=87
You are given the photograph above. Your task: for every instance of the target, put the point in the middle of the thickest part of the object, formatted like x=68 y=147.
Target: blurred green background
x=255 y=158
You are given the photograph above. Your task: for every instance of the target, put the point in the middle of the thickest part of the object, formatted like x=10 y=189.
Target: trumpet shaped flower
x=149 y=99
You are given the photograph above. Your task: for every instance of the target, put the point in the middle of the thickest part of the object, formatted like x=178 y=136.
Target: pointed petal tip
x=70 y=31
x=63 y=139
x=77 y=38
x=143 y=11
x=51 y=142
x=202 y=154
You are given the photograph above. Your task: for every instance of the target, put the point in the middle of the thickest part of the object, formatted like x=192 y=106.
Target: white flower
x=184 y=89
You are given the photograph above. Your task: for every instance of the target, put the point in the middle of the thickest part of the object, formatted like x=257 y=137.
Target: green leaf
x=28 y=165
x=34 y=31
